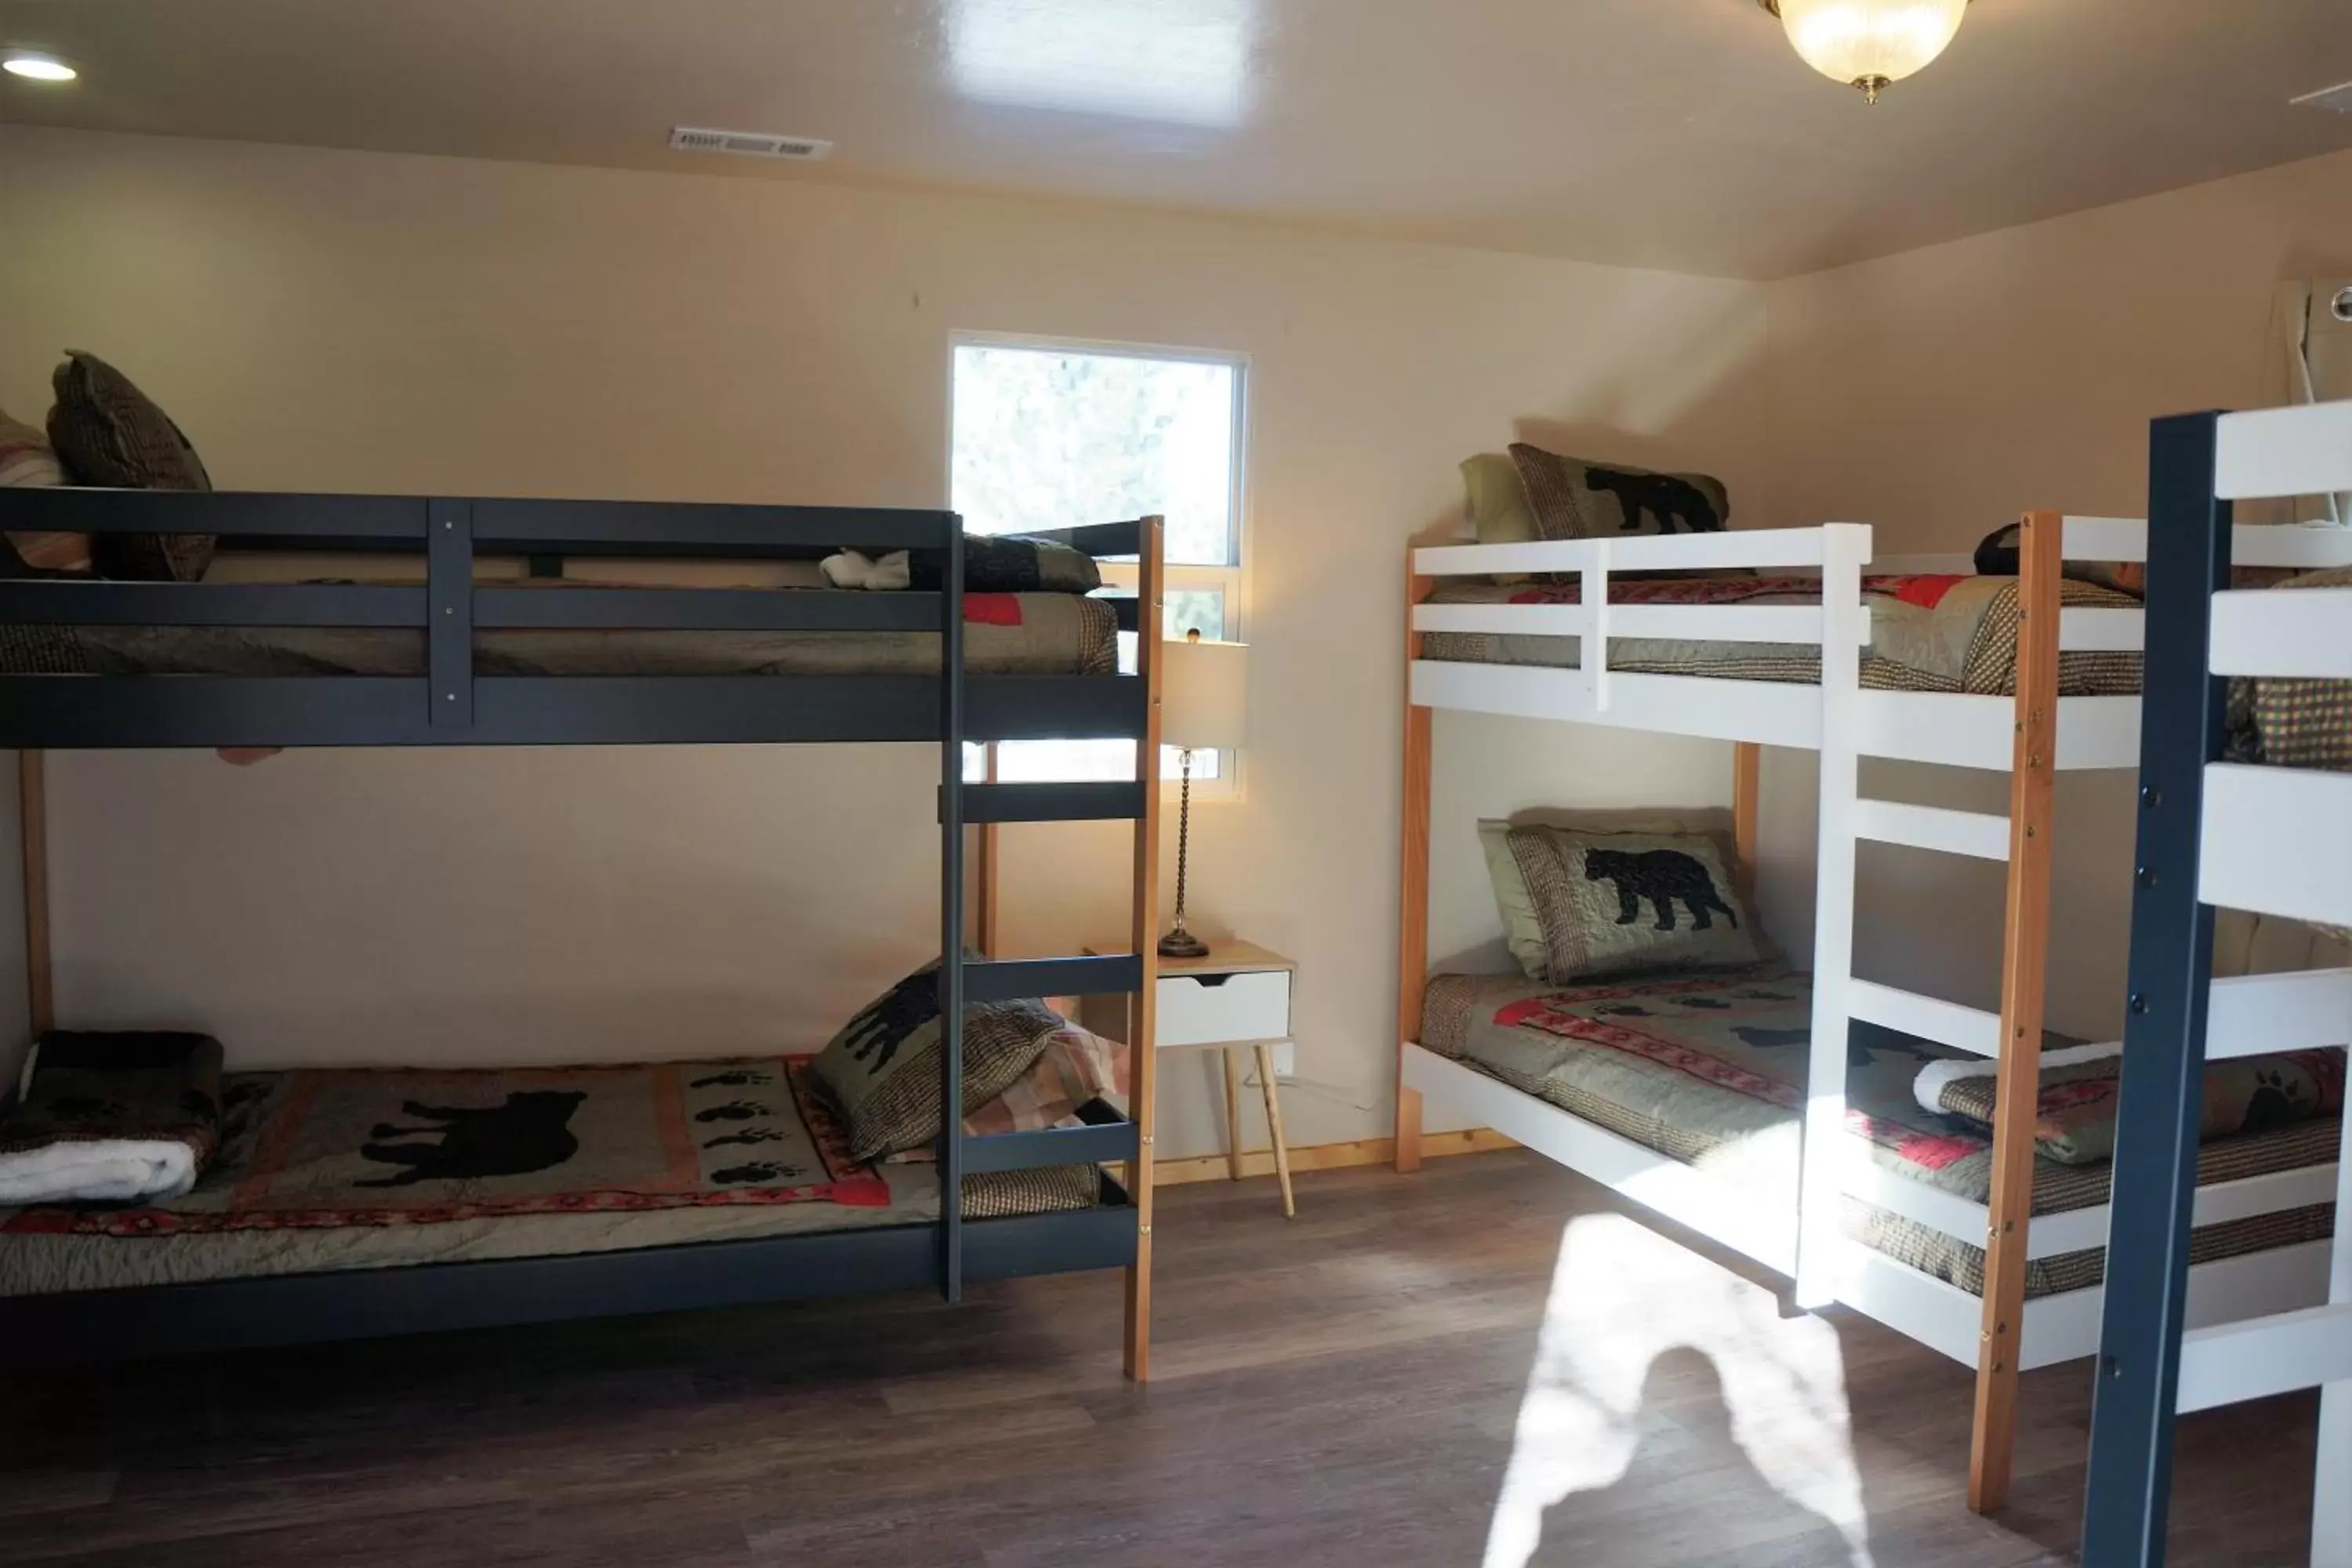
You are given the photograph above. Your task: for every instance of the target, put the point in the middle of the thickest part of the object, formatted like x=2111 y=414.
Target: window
x=1052 y=436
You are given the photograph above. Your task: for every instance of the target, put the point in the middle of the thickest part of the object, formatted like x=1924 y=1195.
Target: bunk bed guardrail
x=2272 y=839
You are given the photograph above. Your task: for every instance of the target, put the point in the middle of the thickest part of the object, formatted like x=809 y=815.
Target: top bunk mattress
x=1947 y=634
x=1004 y=634
x=1709 y=1068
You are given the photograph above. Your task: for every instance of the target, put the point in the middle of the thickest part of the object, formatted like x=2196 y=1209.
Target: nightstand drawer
x=1208 y=1009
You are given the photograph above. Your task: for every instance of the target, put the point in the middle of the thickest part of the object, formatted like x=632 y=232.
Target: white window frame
x=1231 y=580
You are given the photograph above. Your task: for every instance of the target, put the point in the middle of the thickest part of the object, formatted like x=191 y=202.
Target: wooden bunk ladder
x=2025 y=957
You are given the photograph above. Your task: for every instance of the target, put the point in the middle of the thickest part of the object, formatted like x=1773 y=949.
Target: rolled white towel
x=101 y=1171
x=850 y=569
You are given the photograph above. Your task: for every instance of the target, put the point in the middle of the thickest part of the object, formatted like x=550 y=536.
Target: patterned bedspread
x=1710 y=1070
x=1928 y=633
x=342 y=1169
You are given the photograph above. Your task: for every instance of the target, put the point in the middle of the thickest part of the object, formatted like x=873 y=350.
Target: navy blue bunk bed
x=453 y=704
x=2247 y=834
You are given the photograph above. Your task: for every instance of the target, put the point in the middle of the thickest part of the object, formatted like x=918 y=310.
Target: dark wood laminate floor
x=1371 y=1385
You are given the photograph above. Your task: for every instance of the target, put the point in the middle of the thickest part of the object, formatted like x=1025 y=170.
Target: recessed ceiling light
x=34 y=66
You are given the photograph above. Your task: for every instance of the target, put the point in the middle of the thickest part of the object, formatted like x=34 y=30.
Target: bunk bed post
x=1412 y=879
x=1746 y=794
x=2025 y=945
x=2159 y=1112
x=1845 y=628
x=952 y=977
x=1144 y=1010
x=33 y=818
x=987 y=931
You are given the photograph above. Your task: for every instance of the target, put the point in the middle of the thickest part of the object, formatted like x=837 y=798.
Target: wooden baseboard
x=1323 y=1156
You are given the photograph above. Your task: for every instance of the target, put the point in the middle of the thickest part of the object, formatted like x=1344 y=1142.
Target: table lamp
x=1204 y=706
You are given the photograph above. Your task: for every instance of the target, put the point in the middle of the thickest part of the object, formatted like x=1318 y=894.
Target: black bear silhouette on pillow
x=876 y=1034
x=1680 y=506
x=531 y=1132
x=1660 y=875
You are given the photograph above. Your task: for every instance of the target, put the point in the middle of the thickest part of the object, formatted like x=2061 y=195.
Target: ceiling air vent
x=2337 y=97
x=746 y=144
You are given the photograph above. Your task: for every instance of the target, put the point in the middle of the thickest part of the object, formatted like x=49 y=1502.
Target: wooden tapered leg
x=1143 y=931
x=2024 y=977
x=1233 y=1114
x=1273 y=1129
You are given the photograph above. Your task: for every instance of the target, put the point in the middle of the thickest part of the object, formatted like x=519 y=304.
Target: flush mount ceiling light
x=34 y=65
x=1868 y=43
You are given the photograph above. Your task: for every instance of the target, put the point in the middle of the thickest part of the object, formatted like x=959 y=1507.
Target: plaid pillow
x=110 y=433
x=1574 y=498
x=882 y=1071
x=1616 y=903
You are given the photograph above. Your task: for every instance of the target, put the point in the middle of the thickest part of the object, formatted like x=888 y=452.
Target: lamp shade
x=1205 y=694
x=1870 y=43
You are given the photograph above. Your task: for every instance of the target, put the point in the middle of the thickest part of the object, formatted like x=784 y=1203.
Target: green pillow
x=1522 y=927
x=882 y=1071
x=1499 y=505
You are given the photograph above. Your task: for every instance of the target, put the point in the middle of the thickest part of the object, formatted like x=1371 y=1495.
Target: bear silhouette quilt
x=332 y=1148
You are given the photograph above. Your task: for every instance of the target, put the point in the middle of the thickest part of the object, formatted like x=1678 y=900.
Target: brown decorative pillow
x=882 y=1071
x=1574 y=498
x=1617 y=903
x=110 y=433
x=26 y=459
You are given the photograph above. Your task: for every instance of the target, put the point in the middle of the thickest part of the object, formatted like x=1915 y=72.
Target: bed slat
x=1950 y=1023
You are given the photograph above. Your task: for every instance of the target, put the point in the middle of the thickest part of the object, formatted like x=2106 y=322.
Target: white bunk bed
x=2032 y=735
x=2273 y=839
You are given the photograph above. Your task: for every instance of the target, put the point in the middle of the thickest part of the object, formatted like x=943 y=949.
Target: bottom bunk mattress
x=1710 y=1070
x=325 y=1171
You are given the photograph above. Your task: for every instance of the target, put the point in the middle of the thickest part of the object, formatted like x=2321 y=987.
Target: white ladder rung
x=1929 y=1017
x=2278 y=841
x=2256 y=1014
x=2303 y=634
x=2232 y=1362
x=1980 y=834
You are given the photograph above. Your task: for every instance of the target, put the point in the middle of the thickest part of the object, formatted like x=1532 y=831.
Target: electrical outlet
x=1285 y=1061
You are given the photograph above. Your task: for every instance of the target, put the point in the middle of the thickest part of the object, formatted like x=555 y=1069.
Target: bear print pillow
x=1620 y=903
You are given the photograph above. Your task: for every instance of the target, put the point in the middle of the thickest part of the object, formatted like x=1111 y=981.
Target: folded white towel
x=849 y=569
x=103 y=1171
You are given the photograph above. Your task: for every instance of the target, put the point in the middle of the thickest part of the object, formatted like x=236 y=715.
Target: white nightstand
x=1236 y=997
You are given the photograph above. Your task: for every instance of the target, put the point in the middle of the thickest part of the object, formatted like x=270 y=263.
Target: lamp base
x=1182 y=944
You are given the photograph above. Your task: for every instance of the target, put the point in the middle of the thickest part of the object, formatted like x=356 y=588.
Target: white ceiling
x=1674 y=134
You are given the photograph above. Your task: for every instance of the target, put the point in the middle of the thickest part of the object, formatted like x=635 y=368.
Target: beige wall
x=1939 y=392
x=336 y=320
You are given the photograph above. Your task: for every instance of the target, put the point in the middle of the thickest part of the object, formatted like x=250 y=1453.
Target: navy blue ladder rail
x=966 y=981
x=2265 y=836
x=2157 y=1112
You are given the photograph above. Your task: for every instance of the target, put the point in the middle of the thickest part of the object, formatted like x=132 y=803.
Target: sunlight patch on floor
x=1622 y=1298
